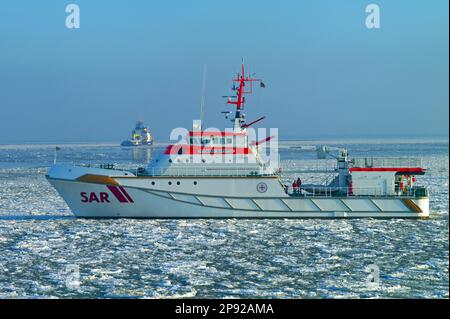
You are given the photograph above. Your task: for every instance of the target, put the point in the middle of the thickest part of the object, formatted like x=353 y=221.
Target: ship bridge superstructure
x=215 y=152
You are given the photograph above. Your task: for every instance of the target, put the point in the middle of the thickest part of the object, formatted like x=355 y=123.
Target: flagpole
x=202 y=102
x=55 y=154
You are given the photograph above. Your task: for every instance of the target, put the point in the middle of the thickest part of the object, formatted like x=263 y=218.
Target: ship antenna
x=241 y=80
x=202 y=101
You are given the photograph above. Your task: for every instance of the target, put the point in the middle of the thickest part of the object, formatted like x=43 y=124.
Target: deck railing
x=203 y=171
x=325 y=191
x=387 y=162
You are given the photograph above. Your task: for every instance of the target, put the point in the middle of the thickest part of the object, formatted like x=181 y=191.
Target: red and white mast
x=240 y=80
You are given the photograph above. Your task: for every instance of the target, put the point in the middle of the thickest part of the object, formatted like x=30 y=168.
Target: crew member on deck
x=402 y=185
x=295 y=186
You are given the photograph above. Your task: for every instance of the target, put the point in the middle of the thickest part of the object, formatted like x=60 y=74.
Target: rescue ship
x=222 y=174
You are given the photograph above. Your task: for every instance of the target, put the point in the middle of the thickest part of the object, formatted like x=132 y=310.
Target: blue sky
x=326 y=74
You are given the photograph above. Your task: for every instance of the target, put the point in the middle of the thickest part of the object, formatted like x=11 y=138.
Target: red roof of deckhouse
x=404 y=170
x=199 y=150
x=215 y=133
x=398 y=165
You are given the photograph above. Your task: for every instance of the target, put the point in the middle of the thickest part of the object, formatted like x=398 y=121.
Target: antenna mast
x=241 y=79
x=202 y=101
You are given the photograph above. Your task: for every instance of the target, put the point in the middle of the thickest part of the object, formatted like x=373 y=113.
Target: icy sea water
x=41 y=243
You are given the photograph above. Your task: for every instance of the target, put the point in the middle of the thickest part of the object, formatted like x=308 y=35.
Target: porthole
x=195 y=182
x=153 y=183
x=170 y=183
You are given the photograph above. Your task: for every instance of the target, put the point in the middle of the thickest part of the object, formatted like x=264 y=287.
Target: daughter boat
x=221 y=174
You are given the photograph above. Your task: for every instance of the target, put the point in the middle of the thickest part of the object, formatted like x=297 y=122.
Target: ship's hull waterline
x=97 y=200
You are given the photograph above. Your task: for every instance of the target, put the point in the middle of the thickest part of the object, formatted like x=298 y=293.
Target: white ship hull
x=153 y=197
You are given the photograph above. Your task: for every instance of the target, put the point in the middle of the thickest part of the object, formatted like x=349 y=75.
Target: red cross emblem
x=261 y=187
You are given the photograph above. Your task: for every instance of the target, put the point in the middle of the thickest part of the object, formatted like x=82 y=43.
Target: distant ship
x=140 y=136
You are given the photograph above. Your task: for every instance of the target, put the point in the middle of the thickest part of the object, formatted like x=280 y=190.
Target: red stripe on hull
x=117 y=194
x=126 y=194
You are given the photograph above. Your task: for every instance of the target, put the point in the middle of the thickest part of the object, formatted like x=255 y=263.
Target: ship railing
x=326 y=191
x=309 y=166
x=177 y=172
x=189 y=171
x=310 y=170
x=386 y=162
